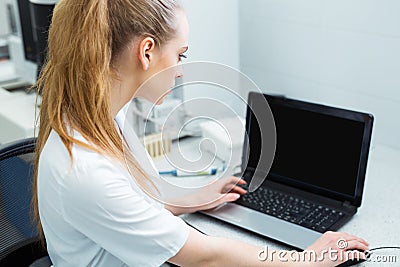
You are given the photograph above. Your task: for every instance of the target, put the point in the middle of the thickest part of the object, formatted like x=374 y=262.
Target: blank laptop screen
x=313 y=150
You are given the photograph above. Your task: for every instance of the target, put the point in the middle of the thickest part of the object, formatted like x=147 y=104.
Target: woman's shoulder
x=56 y=151
x=88 y=175
x=84 y=162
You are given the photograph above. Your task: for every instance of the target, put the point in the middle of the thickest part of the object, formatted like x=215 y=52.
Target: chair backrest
x=17 y=233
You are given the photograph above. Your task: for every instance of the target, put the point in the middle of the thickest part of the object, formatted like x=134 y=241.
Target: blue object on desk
x=210 y=171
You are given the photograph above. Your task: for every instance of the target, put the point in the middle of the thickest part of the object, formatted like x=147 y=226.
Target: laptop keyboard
x=291 y=208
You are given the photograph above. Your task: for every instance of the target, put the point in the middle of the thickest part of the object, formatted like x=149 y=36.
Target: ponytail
x=75 y=84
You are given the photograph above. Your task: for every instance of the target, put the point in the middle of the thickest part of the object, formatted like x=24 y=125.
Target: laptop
x=316 y=179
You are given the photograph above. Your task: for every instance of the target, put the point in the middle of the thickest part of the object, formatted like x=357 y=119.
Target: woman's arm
x=202 y=250
x=208 y=197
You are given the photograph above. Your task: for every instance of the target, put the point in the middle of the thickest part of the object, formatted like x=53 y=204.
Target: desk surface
x=377 y=220
x=17 y=108
x=17 y=115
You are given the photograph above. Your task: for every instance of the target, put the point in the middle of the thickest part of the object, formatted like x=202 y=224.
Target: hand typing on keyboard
x=312 y=216
x=291 y=208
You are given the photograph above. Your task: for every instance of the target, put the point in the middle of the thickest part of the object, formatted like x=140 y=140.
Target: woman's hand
x=334 y=248
x=221 y=191
x=210 y=196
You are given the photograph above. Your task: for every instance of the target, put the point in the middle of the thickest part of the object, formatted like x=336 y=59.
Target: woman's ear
x=146 y=52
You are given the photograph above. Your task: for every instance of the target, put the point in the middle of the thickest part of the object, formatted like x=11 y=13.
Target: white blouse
x=94 y=214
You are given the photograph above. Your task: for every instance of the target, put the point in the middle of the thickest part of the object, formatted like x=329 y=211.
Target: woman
x=89 y=190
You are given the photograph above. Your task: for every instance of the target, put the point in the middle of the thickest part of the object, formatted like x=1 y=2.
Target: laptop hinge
x=346 y=204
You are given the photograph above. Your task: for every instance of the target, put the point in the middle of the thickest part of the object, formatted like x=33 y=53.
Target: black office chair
x=19 y=242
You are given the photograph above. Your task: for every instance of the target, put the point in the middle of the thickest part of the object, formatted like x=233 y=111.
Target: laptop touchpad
x=231 y=211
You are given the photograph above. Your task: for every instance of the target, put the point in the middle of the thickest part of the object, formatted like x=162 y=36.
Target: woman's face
x=164 y=66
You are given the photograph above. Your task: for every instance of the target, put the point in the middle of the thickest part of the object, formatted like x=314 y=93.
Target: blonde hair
x=85 y=39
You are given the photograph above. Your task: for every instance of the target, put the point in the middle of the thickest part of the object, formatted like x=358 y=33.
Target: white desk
x=17 y=115
x=377 y=220
x=17 y=109
x=7 y=72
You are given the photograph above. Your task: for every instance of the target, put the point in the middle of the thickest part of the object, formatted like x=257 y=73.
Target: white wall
x=214 y=30
x=4 y=25
x=339 y=52
x=214 y=37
